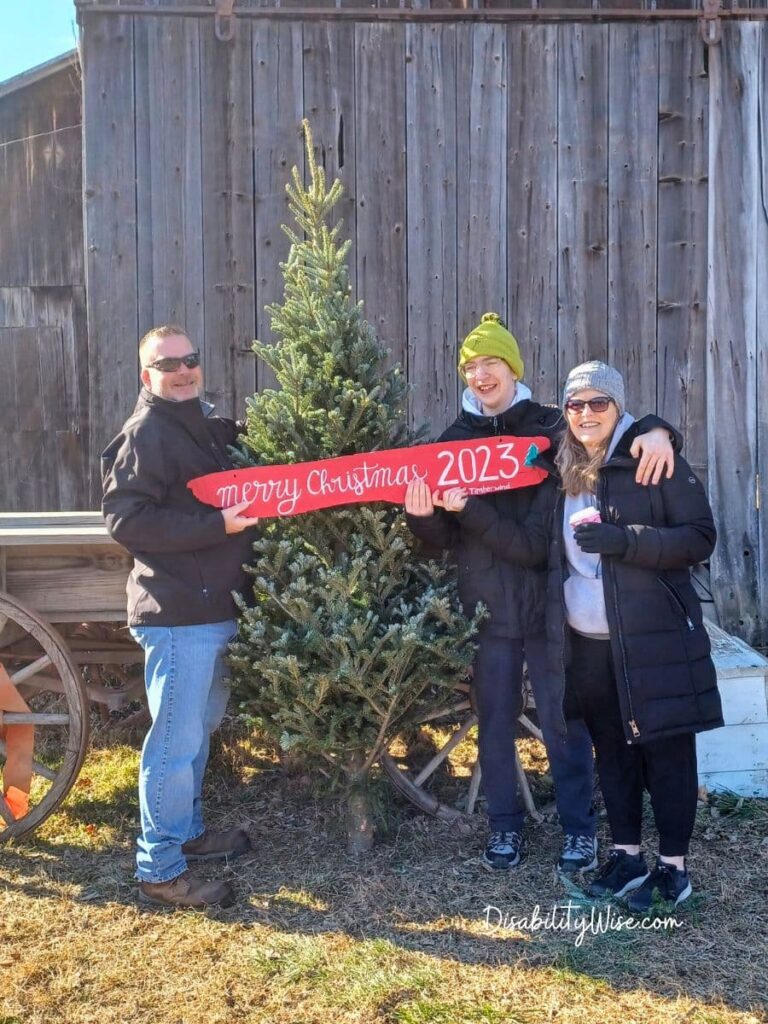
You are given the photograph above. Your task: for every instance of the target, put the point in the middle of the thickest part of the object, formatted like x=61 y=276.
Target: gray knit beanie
x=598 y=376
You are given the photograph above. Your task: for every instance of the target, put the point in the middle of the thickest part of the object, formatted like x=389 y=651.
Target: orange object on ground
x=17 y=800
x=19 y=747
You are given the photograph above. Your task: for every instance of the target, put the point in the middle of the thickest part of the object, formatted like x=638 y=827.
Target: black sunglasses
x=595 y=404
x=170 y=364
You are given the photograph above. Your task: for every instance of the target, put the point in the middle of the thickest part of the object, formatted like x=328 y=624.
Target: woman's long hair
x=577 y=468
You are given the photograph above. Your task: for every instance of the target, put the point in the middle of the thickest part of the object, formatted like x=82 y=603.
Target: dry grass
x=399 y=938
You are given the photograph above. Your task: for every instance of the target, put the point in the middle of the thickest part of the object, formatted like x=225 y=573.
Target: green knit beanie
x=491 y=338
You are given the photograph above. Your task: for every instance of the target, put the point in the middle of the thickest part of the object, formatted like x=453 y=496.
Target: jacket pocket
x=676 y=600
x=203 y=586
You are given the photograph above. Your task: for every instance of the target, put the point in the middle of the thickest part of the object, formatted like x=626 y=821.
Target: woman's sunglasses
x=595 y=404
x=170 y=364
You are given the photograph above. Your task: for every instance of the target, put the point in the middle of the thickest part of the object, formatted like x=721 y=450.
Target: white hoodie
x=470 y=402
x=583 y=590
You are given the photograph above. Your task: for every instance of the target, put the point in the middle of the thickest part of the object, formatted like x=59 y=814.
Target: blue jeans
x=497 y=684
x=187 y=691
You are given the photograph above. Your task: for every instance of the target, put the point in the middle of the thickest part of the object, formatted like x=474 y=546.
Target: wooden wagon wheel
x=455 y=716
x=42 y=670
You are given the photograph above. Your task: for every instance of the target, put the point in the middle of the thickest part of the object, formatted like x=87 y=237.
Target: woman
x=626 y=643
x=497 y=402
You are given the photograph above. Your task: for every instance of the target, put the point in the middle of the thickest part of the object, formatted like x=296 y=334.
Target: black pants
x=498 y=688
x=666 y=767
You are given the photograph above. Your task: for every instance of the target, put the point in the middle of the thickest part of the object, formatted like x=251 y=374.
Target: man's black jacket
x=185 y=564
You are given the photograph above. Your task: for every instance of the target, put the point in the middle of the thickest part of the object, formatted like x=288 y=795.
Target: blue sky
x=33 y=31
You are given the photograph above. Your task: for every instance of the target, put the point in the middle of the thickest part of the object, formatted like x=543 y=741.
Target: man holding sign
x=188 y=558
x=496 y=402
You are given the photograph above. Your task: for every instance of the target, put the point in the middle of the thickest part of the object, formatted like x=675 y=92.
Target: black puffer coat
x=666 y=679
x=513 y=594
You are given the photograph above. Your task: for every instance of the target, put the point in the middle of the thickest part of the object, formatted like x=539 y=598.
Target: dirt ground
x=415 y=932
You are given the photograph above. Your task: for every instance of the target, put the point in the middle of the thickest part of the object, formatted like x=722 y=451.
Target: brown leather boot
x=187 y=891
x=214 y=845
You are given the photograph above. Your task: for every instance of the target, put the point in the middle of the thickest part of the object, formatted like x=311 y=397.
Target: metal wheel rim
x=78 y=709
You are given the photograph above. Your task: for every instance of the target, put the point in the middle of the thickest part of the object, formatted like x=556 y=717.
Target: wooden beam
x=400 y=14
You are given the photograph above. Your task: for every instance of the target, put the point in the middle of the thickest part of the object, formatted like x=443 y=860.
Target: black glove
x=601 y=538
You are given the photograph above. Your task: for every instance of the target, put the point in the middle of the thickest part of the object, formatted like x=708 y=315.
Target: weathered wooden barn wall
x=558 y=173
x=737 y=327
x=43 y=349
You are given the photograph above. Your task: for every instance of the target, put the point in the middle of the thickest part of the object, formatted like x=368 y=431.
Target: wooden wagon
x=62 y=645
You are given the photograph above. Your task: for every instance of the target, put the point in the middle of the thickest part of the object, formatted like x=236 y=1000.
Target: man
x=188 y=558
x=497 y=402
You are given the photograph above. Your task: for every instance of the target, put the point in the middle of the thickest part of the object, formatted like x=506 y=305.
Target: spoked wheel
x=433 y=760
x=45 y=676
x=108 y=659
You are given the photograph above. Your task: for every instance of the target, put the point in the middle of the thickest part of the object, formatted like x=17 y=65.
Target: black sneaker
x=665 y=884
x=504 y=851
x=621 y=873
x=579 y=854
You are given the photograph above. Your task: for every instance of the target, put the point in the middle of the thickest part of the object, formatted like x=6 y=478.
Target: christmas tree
x=349 y=629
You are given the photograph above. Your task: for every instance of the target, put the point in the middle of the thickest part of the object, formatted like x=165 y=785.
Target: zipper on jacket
x=607 y=570
x=678 y=601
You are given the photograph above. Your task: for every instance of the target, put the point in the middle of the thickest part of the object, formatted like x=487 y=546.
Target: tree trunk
x=360 y=826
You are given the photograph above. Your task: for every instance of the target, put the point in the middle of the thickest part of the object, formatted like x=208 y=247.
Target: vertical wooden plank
x=87 y=493
x=32 y=463
x=582 y=194
x=732 y=325
x=55 y=225
x=381 y=181
x=432 y=285
x=61 y=466
x=532 y=203
x=329 y=104
x=110 y=224
x=144 y=257
x=168 y=174
x=7 y=402
x=25 y=369
x=55 y=401
x=60 y=308
x=45 y=391
x=761 y=329
x=277 y=147
x=17 y=306
x=481 y=91
x=229 y=286
x=632 y=211
x=682 y=237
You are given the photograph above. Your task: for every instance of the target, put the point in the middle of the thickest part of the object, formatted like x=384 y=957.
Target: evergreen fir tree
x=349 y=630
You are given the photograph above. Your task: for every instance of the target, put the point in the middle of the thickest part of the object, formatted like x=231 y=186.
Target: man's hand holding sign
x=447 y=473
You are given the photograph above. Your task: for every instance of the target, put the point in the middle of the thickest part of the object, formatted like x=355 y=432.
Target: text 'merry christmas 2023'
x=478 y=466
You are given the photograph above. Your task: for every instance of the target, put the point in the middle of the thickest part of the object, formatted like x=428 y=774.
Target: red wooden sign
x=495 y=464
